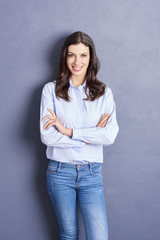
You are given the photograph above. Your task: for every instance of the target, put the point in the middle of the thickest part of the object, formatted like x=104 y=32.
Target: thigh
x=63 y=197
x=92 y=205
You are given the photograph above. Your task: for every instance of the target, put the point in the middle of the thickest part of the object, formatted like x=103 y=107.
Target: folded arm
x=52 y=137
x=97 y=135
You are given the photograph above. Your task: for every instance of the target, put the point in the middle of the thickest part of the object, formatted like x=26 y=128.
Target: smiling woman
x=77 y=118
x=77 y=62
x=76 y=47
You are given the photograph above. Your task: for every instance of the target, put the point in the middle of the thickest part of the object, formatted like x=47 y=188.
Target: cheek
x=86 y=63
x=69 y=63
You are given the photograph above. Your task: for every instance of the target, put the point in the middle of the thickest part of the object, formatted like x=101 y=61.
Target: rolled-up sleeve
x=52 y=137
x=97 y=135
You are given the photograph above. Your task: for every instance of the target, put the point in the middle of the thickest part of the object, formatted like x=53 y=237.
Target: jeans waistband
x=84 y=165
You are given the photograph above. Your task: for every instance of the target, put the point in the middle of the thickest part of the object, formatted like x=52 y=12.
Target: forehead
x=77 y=48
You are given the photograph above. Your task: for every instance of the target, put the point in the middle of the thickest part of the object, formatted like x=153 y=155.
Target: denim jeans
x=69 y=183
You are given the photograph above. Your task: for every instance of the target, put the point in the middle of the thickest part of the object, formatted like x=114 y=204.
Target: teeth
x=77 y=68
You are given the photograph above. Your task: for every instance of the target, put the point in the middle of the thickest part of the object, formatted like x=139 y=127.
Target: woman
x=78 y=117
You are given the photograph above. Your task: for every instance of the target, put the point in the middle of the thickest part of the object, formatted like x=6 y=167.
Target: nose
x=76 y=60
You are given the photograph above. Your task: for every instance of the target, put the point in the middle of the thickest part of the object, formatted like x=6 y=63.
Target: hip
x=74 y=174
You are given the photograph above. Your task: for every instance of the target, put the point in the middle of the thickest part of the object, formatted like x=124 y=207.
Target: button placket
x=80 y=95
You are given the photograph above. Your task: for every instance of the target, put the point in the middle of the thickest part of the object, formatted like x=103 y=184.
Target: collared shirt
x=82 y=116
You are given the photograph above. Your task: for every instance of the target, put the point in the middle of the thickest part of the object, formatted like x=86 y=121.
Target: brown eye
x=70 y=55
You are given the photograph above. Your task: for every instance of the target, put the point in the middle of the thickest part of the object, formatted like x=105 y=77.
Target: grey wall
x=127 y=38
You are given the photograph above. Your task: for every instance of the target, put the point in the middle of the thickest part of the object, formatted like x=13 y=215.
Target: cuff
x=76 y=134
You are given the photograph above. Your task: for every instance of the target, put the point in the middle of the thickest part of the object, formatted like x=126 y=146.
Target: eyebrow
x=81 y=53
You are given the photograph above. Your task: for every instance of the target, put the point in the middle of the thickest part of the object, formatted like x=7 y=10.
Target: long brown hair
x=96 y=88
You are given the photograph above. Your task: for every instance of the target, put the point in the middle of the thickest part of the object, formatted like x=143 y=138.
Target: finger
x=104 y=119
x=48 y=123
x=51 y=111
x=46 y=117
x=48 y=126
x=103 y=122
x=103 y=125
x=105 y=115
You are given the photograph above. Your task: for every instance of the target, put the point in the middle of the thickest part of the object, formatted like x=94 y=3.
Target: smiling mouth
x=76 y=68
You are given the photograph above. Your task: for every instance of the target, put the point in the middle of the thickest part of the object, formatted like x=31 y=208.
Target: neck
x=77 y=80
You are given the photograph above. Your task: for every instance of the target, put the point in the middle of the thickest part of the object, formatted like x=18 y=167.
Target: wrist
x=68 y=132
x=60 y=127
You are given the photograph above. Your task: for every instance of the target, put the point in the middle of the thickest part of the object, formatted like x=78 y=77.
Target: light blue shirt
x=81 y=116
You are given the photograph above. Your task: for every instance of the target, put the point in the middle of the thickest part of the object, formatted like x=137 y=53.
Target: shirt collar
x=80 y=86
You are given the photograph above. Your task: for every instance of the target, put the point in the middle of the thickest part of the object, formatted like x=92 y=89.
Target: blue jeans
x=67 y=183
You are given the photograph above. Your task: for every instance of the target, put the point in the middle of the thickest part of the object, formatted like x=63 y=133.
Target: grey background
x=127 y=38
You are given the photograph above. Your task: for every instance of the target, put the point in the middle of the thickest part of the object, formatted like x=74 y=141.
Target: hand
x=53 y=120
x=103 y=120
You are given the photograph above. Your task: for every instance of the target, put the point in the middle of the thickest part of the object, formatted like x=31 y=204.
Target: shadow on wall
x=32 y=134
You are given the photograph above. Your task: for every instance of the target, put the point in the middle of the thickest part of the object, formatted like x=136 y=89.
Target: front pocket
x=53 y=168
x=96 y=170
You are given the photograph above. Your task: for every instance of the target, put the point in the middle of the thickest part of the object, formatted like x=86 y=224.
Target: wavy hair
x=95 y=87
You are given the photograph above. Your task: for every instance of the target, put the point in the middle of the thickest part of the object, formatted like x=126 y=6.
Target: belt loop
x=90 y=166
x=77 y=167
x=59 y=166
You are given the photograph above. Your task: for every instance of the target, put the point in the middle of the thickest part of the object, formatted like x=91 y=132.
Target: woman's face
x=78 y=57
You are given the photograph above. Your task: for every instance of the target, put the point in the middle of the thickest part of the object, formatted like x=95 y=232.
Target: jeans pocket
x=53 y=167
x=96 y=169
